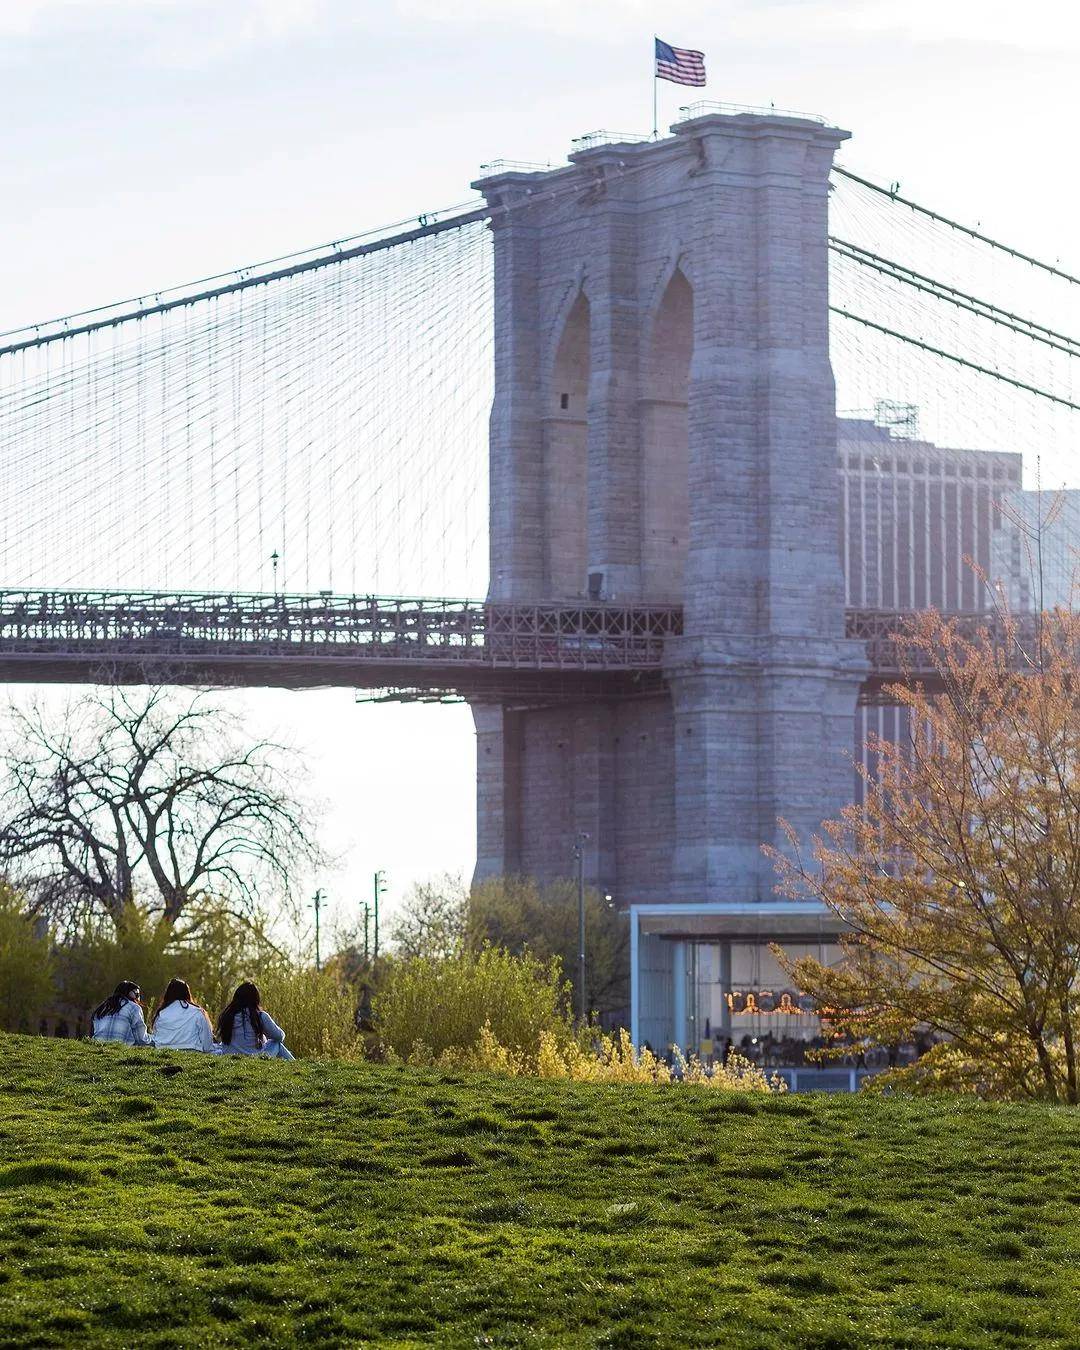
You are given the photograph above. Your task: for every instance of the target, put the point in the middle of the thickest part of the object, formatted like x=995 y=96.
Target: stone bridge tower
x=663 y=430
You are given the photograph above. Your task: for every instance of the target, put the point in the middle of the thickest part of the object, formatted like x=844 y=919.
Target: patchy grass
x=163 y=1200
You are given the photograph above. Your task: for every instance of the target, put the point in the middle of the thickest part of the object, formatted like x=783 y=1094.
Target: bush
x=316 y=1010
x=597 y=1057
x=428 y=1006
x=26 y=967
x=614 y=1059
x=102 y=954
x=493 y=1012
x=439 y=917
x=216 y=952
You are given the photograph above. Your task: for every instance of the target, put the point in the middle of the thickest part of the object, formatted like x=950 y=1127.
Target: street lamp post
x=316 y=905
x=379 y=888
x=579 y=855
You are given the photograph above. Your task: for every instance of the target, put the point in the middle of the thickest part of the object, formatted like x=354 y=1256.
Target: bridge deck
x=421 y=647
x=409 y=648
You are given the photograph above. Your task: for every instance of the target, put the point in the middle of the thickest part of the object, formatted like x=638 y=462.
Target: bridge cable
x=984 y=309
x=247 y=283
x=956 y=225
x=951 y=356
x=238 y=272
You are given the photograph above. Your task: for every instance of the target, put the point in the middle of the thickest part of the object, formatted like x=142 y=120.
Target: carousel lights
x=786 y=1002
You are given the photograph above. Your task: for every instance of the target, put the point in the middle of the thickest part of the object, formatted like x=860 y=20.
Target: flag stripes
x=680 y=65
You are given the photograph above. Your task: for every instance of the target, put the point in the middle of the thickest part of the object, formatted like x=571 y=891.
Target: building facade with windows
x=923 y=526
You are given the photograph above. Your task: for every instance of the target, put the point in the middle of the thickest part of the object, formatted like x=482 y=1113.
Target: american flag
x=679 y=64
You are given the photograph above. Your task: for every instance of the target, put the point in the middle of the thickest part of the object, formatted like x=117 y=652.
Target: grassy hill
x=167 y=1200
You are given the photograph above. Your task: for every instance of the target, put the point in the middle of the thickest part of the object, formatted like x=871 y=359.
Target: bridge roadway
x=393 y=648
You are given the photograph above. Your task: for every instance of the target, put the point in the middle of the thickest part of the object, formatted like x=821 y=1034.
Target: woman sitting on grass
x=181 y=1023
x=120 y=1016
x=245 y=1029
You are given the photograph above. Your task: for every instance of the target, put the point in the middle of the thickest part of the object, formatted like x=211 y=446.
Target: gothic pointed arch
x=566 y=455
x=665 y=458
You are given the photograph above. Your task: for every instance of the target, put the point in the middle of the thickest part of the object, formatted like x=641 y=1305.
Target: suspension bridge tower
x=663 y=432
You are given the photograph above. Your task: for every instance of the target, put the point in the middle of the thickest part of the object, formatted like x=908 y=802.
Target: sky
x=153 y=141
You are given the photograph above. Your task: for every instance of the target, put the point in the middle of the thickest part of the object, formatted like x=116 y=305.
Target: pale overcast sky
x=152 y=141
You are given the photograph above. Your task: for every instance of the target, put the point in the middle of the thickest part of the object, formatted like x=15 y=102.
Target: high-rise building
x=919 y=521
x=922 y=526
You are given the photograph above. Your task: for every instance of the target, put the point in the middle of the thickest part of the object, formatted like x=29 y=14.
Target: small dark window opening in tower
x=564 y=401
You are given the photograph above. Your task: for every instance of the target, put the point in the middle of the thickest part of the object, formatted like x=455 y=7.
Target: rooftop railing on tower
x=707 y=108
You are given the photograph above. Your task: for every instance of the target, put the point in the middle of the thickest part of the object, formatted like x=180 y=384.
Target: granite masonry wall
x=663 y=429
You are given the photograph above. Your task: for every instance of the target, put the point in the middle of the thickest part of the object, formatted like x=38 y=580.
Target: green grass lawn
x=149 y=1199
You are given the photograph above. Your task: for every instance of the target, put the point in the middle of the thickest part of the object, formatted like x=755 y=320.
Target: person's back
x=120 y=1017
x=247 y=1041
x=181 y=1024
x=246 y=1029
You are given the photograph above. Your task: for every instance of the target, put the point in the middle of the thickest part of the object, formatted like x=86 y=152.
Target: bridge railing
x=546 y=637
x=704 y=107
x=891 y=658
x=394 y=629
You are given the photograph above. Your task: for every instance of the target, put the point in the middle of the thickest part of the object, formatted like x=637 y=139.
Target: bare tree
x=432 y=918
x=147 y=795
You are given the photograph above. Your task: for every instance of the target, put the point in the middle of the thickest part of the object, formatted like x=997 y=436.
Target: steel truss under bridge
x=393 y=647
x=420 y=649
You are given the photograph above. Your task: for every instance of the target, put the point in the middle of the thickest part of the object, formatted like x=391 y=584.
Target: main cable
x=956 y=225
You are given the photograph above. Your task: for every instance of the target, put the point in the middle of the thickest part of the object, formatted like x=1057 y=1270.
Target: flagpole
x=655 y=82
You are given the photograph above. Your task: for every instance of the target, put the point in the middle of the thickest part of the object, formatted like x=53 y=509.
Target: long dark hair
x=125 y=991
x=245 y=1000
x=176 y=991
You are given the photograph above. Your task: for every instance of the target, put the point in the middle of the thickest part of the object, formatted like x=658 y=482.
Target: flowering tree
x=959 y=877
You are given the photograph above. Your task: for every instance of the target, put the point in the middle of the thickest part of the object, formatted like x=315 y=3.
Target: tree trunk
x=1046 y=1064
x=1070 y=1053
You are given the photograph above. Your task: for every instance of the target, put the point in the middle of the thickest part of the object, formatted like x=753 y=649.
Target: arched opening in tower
x=665 y=458
x=566 y=458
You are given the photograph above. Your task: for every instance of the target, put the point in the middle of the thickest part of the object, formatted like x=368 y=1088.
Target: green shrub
x=27 y=985
x=445 y=1004
x=519 y=914
x=316 y=1011
x=215 y=952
